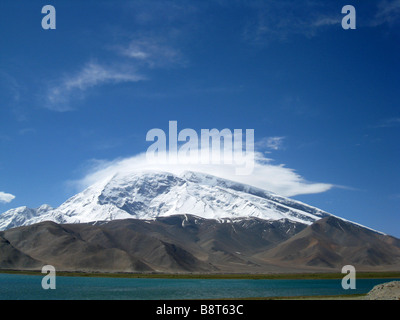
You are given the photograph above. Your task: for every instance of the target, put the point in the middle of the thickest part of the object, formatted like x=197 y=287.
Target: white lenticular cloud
x=6 y=197
x=265 y=175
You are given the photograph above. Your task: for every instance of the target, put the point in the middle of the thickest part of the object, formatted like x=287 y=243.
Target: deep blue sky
x=323 y=101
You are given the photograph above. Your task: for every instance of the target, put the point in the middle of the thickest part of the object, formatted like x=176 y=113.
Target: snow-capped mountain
x=22 y=216
x=191 y=222
x=148 y=195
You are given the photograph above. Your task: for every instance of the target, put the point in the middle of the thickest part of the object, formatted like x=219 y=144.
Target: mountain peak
x=152 y=194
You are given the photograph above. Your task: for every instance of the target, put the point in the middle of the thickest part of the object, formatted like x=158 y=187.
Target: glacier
x=150 y=194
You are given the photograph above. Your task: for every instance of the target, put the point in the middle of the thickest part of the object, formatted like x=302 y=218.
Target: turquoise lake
x=26 y=287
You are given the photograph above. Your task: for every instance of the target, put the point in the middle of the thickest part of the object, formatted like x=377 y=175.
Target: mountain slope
x=12 y=258
x=333 y=243
x=187 y=244
x=149 y=195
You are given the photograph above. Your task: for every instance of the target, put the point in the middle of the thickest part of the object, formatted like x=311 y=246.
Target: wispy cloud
x=26 y=131
x=134 y=59
x=91 y=75
x=388 y=13
x=129 y=56
x=153 y=52
x=15 y=95
x=5 y=138
x=270 y=143
x=388 y=123
x=6 y=197
x=395 y=196
x=277 y=20
x=10 y=83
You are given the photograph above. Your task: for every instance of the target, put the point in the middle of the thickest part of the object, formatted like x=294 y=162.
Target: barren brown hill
x=333 y=242
x=185 y=243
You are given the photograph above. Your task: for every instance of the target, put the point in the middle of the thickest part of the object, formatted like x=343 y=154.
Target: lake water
x=26 y=287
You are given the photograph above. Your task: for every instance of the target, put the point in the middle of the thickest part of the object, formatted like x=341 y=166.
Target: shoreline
x=217 y=276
